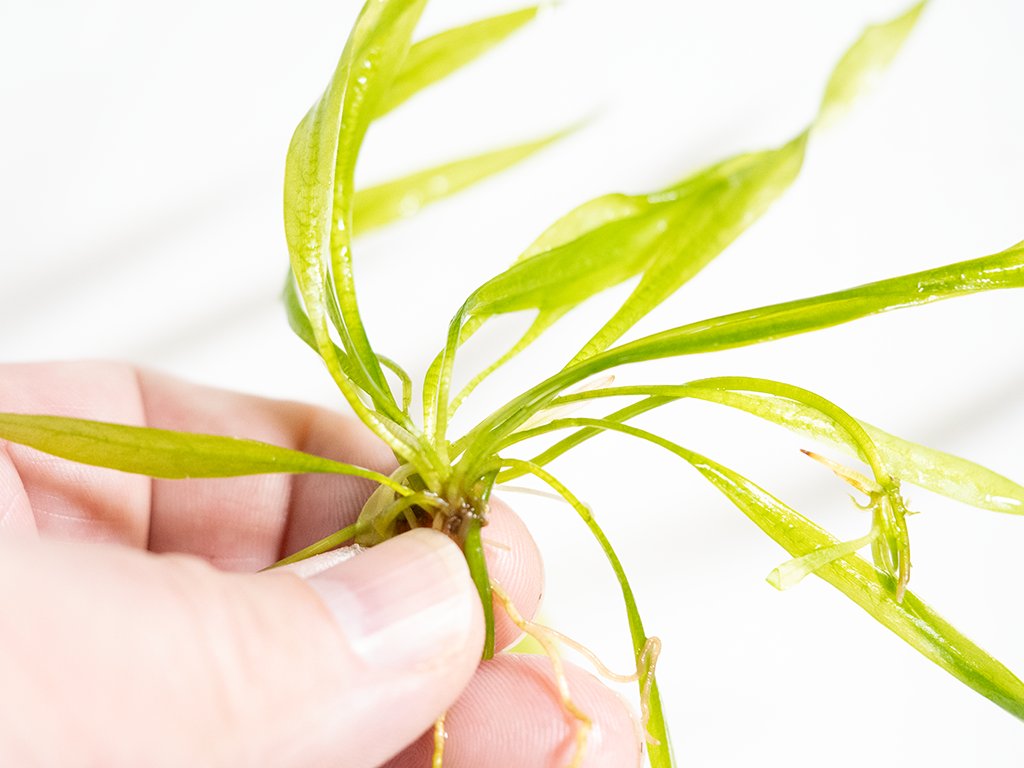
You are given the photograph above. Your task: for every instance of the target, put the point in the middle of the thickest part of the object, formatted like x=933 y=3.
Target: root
x=646 y=663
x=542 y=635
x=547 y=638
x=439 y=737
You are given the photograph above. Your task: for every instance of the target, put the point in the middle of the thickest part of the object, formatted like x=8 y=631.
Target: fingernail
x=406 y=602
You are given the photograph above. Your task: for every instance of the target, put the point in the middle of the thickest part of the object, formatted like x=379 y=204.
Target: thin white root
x=495 y=544
x=439 y=737
x=645 y=665
x=542 y=635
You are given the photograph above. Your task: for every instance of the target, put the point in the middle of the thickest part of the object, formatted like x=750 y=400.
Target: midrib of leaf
x=367 y=74
x=660 y=754
x=379 y=205
x=318 y=192
x=437 y=57
x=912 y=619
x=948 y=475
x=603 y=242
x=720 y=215
x=1002 y=270
x=166 y=453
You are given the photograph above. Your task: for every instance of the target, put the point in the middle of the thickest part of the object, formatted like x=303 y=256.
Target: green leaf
x=478 y=570
x=613 y=243
x=939 y=472
x=437 y=57
x=298 y=321
x=584 y=219
x=912 y=619
x=319 y=191
x=165 y=453
x=319 y=198
x=715 y=207
x=325 y=544
x=734 y=194
x=668 y=236
x=942 y=473
x=861 y=65
x=1001 y=270
x=660 y=754
x=376 y=206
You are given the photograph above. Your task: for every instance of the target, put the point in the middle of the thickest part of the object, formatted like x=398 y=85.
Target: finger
x=68 y=500
x=175 y=663
x=511 y=553
x=511 y=716
x=238 y=524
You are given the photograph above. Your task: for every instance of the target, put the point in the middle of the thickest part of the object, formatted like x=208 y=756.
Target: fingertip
x=511 y=716
x=405 y=603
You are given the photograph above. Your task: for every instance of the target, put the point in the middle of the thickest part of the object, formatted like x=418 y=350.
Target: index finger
x=238 y=523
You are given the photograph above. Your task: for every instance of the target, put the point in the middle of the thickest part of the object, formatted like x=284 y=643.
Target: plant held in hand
x=661 y=239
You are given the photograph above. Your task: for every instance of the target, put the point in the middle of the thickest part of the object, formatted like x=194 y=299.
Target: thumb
x=140 y=659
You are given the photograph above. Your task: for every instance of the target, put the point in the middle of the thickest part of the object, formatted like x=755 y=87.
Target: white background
x=141 y=164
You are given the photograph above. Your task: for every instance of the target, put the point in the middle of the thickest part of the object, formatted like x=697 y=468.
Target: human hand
x=133 y=630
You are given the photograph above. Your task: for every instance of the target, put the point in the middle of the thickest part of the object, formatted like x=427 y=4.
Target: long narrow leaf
x=939 y=472
x=660 y=754
x=943 y=473
x=910 y=618
x=669 y=236
x=319 y=169
x=318 y=213
x=723 y=206
x=165 y=453
x=861 y=65
x=437 y=57
x=755 y=182
x=376 y=206
x=366 y=74
x=1002 y=270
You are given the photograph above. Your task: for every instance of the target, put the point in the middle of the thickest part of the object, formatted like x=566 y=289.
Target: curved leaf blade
x=1001 y=270
x=379 y=205
x=564 y=276
x=669 y=236
x=318 y=216
x=912 y=619
x=319 y=176
x=860 y=66
x=939 y=472
x=660 y=754
x=717 y=206
x=165 y=453
x=437 y=57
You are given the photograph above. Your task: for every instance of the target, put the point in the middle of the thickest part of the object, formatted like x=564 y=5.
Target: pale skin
x=135 y=631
